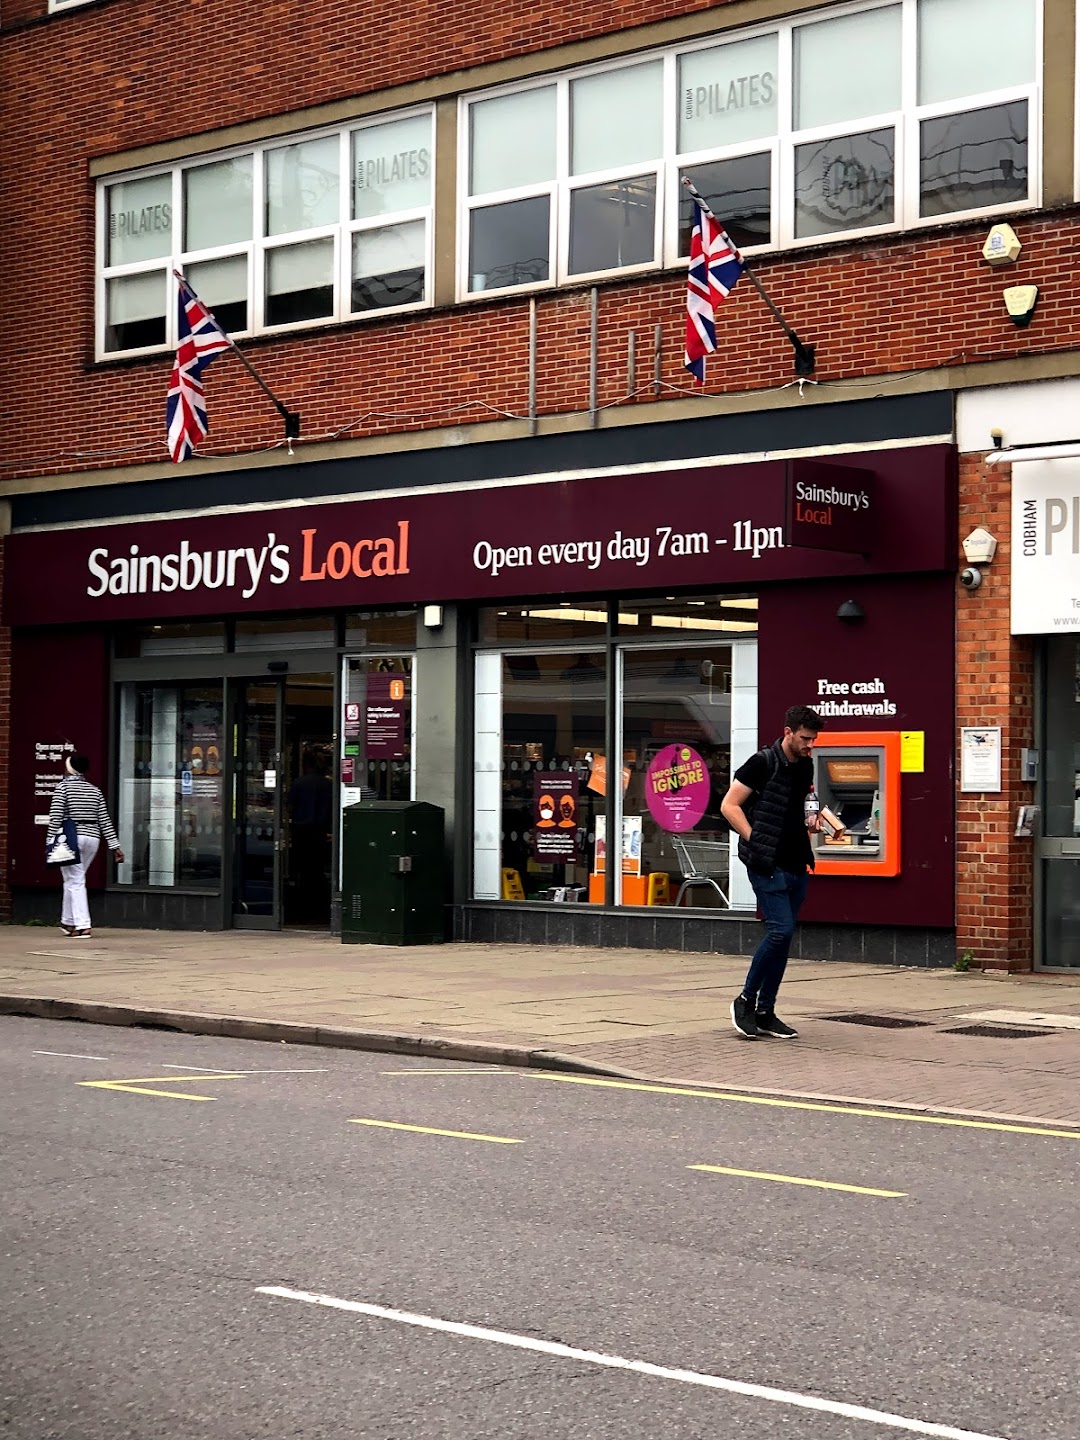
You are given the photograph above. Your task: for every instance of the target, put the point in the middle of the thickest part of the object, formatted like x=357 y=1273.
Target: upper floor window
x=851 y=122
x=297 y=232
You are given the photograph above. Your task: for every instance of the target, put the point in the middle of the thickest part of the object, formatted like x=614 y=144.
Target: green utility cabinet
x=392 y=873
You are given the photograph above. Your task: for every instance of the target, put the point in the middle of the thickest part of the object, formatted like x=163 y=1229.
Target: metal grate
x=1003 y=1032
x=879 y=1022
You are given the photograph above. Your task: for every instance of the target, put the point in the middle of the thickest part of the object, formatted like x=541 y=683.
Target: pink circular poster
x=677 y=787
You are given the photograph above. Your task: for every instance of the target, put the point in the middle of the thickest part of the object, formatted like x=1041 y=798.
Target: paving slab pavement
x=649 y=1014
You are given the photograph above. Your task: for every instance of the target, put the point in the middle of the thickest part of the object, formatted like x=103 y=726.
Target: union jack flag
x=199 y=339
x=715 y=267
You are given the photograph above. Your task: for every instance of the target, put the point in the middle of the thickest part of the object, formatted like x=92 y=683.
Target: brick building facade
x=562 y=375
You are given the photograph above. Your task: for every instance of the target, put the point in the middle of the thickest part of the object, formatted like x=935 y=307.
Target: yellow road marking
x=427 y=1130
x=138 y=1086
x=798 y=1180
x=830 y=1109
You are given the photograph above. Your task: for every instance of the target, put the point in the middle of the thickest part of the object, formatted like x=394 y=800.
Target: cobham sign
x=706 y=526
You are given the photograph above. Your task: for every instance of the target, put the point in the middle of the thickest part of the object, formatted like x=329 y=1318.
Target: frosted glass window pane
x=302 y=186
x=512 y=141
x=300 y=283
x=217 y=204
x=135 y=311
x=222 y=286
x=848 y=68
x=140 y=219
x=391 y=167
x=967 y=48
x=388 y=266
x=727 y=95
x=616 y=118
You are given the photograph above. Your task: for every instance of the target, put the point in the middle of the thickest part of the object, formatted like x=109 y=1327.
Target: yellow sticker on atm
x=912 y=751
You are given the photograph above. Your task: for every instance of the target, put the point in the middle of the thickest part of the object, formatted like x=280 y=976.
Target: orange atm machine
x=857 y=777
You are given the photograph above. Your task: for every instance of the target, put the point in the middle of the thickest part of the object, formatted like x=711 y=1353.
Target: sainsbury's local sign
x=708 y=526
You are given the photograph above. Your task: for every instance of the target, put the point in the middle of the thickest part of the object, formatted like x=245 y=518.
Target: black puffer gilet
x=766 y=811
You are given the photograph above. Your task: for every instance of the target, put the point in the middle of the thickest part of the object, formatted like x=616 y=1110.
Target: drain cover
x=879 y=1022
x=1003 y=1032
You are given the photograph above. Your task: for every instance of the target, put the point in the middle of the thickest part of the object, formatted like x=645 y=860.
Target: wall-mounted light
x=851 y=610
x=433 y=616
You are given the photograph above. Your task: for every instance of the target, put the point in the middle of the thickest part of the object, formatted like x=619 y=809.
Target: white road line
x=639 y=1367
x=209 y=1070
x=63 y=1055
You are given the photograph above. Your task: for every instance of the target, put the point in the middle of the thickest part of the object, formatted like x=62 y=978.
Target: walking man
x=766 y=806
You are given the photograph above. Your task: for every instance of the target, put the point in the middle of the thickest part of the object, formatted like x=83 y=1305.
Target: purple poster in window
x=554 y=825
x=384 y=717
x=677 y=787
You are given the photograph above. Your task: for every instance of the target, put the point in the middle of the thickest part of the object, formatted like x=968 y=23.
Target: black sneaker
x=769 y=1023
x=742 y=1017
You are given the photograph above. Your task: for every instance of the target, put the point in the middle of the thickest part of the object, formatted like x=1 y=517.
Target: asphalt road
x=250 y=1263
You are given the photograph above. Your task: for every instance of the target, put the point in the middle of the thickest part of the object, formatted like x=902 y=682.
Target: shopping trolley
x=702 y=862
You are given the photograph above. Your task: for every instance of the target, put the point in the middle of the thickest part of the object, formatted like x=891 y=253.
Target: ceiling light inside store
x=741 y=602
x=592 y=617
x=699 y=622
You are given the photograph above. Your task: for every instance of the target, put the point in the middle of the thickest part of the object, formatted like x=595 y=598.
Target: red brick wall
x=109 y=70
x=5 y=752
x=995 y=686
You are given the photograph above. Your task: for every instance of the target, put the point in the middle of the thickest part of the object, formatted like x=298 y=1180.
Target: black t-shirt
x=793 y=853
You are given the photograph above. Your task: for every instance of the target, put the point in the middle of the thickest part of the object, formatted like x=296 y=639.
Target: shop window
x=377 y=735
x=675 y=737
x=542 y=622
x=540 y=723
x=200 y=637
x=547 y=797
x=381 y=630
x=740 y=189
x=729 y=615
x=327 y=227
x=845 y=183
x=170 y=784
x=299 y=632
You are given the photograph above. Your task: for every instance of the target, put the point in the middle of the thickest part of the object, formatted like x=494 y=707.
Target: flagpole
x=290 y=417
x=804 y=354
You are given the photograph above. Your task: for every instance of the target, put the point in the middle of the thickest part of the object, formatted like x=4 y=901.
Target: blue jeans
x=780 y=897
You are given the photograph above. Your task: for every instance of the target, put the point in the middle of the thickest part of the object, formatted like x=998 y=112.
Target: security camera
x=971 y=578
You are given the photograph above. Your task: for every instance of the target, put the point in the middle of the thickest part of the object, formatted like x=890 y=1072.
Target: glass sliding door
x=1059 y=846
x=257 y=808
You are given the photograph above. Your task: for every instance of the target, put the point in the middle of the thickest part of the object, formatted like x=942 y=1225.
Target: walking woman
x=84 y=802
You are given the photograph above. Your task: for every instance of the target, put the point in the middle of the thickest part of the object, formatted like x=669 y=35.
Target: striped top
x=86 y=806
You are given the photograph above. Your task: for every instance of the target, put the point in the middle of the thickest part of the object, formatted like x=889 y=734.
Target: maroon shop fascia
x=879 y=526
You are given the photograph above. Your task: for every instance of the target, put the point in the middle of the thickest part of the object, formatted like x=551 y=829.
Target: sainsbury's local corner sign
x=830 y=510
x=708 y=526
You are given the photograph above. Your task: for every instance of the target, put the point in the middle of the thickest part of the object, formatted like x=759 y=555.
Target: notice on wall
x=631 y=845
x=352 y=721
x=554 y=822
x=912 y=752
x=980 y=759
x=677 y=787
x=384 y=717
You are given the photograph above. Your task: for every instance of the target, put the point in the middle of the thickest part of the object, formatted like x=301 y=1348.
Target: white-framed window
x=853 y=121
x=306 y=230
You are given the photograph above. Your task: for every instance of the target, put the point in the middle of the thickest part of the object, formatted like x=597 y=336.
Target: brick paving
x=652 y=1014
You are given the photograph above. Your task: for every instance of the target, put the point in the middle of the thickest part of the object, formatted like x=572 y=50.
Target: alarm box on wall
x=857 y=778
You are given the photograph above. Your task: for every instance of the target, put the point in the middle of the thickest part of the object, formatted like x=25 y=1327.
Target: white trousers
x=76 y=910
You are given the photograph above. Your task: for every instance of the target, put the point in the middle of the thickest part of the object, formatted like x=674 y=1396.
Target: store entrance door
x=283 y=763
x=1058 y=849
